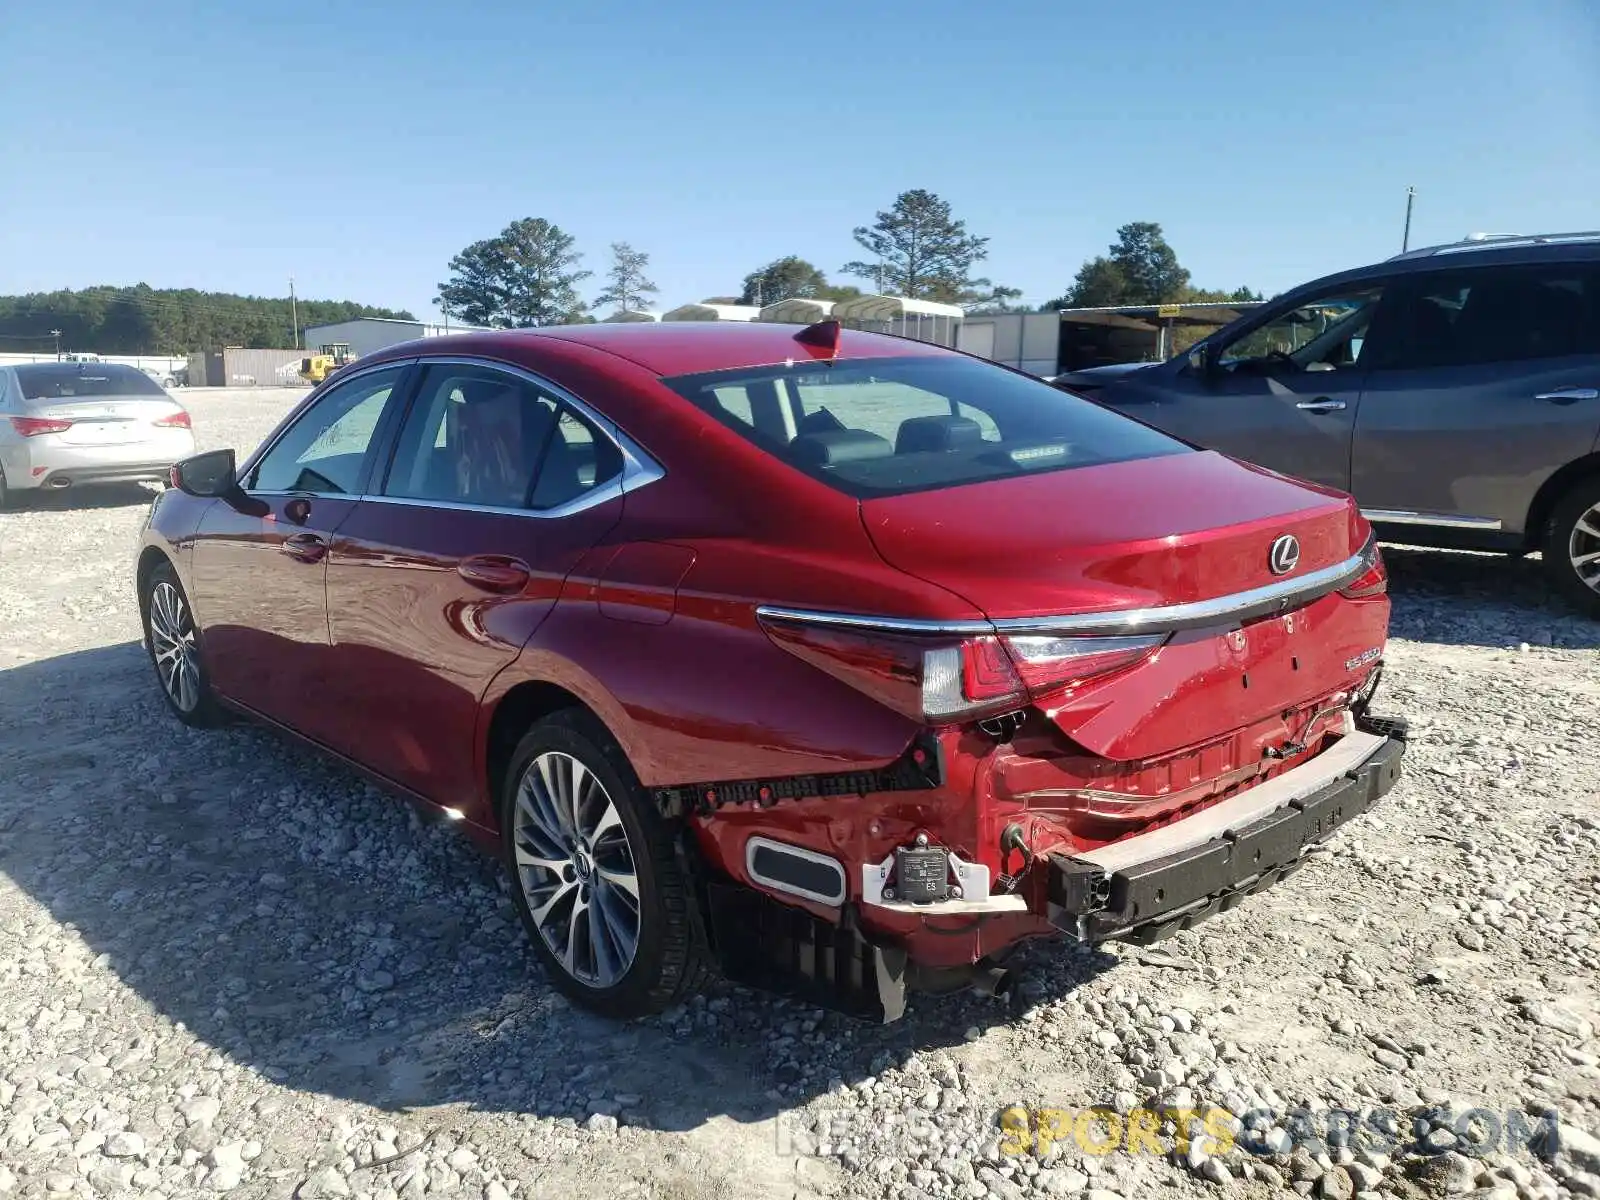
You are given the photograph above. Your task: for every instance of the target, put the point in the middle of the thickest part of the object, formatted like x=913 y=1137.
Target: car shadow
x=89 y=496
x=302 y=923
x=1461 y=598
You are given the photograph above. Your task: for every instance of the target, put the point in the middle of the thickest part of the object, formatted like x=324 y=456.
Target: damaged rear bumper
x=1147 y=887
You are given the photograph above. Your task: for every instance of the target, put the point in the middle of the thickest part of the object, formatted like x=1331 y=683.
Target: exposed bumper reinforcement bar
x=1148 y=887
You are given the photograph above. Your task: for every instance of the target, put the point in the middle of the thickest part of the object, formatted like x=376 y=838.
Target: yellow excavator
x=328 y=359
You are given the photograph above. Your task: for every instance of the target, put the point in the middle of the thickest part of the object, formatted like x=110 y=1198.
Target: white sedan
x=72 y=424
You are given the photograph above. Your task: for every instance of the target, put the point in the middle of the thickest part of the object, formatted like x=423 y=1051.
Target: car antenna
x=822 y=334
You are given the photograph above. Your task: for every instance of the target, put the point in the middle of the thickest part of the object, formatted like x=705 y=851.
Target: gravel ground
x=227 y=966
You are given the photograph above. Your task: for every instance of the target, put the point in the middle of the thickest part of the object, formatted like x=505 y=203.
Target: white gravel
x=228 y=966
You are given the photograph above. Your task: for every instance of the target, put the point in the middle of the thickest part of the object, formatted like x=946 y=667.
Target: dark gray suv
x=1455 y=390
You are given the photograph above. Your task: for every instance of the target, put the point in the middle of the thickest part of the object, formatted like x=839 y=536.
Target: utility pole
x=56 y=333
x=294 y=313
x=1405 y=240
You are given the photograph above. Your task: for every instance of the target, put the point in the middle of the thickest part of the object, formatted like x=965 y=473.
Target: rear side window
x=1496 y=314
x=881 y=427
x=74 y=381
x=480 y=437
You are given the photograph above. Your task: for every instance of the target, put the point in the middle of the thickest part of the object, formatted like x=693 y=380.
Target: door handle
x=305 y=547
x=1321 y=406
x=1569 y=395
x=494 y=572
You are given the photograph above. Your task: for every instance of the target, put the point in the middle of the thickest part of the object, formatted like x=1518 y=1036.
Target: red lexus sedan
x=837 y=662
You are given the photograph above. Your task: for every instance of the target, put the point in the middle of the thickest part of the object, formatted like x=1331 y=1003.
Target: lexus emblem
x=1284 y=555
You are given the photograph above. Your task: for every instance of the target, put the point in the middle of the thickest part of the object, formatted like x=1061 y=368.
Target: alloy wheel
x=576 y=867
x=1583 y=548
x=172 y=644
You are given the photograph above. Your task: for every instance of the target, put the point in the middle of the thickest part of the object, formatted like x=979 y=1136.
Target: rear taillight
x=1374 y=581
x=178 y=420
x=34 y=426
x=944 y=679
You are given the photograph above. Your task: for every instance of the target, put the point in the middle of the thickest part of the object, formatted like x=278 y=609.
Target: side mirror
x=209 y=475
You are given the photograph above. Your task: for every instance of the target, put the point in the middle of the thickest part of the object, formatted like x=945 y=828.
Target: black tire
x=7 y=497
x=194 y=702
x=669 y=961
x=1568 y=537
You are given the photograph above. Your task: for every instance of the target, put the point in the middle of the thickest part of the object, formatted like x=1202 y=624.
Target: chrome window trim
x=1199 y=614
x=910 y=625
x=1396 y=516
x=638 y=468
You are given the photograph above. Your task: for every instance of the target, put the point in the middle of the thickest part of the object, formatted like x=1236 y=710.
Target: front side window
x=1328 y=333
x=481 y=437
x=1485 y=315
x=882 y=427
x=324 y=450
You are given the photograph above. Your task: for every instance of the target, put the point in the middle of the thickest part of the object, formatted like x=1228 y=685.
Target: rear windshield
x=68 y=381
x=881 y=427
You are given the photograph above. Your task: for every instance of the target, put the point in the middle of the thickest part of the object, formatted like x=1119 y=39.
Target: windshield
x=882 y=427
x=71 y=381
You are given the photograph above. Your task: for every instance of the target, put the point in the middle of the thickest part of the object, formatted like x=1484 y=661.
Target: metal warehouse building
x=367 y=335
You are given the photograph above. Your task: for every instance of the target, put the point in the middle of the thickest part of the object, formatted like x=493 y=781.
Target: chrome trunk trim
x=1200 y=614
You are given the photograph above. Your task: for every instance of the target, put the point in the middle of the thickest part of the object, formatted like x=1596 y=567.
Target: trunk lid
x=1140 y=534
x=1146 y=534
x=107 y=420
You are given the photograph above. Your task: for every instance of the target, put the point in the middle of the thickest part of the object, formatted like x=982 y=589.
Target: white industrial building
x=712 y=312
x=367 y=335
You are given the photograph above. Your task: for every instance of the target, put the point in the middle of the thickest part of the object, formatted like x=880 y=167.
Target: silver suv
x=1455 y=390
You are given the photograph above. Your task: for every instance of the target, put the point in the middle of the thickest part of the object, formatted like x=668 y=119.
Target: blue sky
x=358 y=146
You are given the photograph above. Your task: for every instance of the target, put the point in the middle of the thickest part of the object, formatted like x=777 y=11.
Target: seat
x=559 y=477
x=1495 y=323
x=1559 y=323
x=1433 y=333
x=494 y=441
x=820 y=421
x=832 y=447
x=922 y=435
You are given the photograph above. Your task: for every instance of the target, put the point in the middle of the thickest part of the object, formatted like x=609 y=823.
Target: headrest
x=835 y=446
x=920 y=434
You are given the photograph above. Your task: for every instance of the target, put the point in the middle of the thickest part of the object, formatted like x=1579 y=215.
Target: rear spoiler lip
x=1167 y=618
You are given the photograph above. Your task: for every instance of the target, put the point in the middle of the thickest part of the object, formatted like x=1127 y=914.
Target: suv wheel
x=598 y=882
x=1572 y=546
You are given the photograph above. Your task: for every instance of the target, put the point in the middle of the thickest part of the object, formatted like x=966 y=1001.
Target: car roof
x=1460 y=256
x=671 y=348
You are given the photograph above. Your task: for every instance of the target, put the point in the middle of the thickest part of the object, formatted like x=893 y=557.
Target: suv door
x=1491 y=385
x=499 y=485
x=1281 y=392
x=258 y=567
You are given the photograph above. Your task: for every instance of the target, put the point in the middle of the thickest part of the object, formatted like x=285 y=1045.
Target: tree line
x=146 y=320
x=531 y=272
